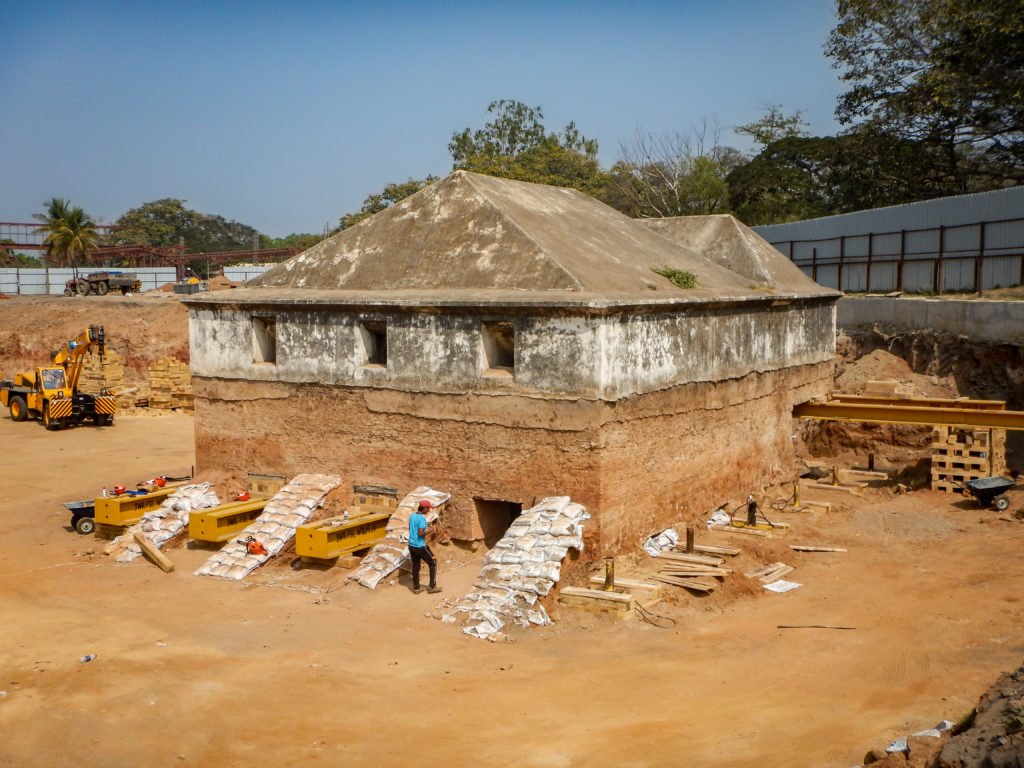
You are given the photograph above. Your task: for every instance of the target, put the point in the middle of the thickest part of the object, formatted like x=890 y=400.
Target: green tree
x=167 y=223
x=774 y=126
x=945 y=73
x=71 y=234
x=295 y=240
x=516 y=145
x=803 y=177
x=672 y=174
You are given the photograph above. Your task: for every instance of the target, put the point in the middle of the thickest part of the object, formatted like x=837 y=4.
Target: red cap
x=424 y=504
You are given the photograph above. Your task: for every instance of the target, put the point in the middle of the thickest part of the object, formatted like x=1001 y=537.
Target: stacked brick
x=959 y=455
x=170 y=384
x=291 y=506
x=522 y=568
x=162 y=524
x=97 y=375
x=393 y=552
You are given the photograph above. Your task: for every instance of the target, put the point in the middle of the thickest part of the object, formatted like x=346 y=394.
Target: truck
x=51 y=394
x=102 y=283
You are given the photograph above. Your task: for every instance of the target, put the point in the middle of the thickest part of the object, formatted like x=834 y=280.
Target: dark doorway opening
x=495 y=516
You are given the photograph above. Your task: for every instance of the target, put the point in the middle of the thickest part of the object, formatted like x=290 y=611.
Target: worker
x=418 y=549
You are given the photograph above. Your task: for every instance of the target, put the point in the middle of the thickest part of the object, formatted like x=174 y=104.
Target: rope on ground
x=45 y=567
x=295 y=587
x=653 y=618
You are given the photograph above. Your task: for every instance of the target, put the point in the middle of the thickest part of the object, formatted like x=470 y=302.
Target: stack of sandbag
x=163 y=523
x=273 y=529
x=392 y=553
x=522 y=567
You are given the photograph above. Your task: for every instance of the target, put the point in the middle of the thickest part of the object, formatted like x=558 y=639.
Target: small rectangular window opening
x=499 y=342
x=264 y=340
x=374 y=336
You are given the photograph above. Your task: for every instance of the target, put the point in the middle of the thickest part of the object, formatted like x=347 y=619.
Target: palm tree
x=70 y=232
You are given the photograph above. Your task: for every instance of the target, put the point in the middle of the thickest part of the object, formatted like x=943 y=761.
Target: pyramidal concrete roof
x=479 y=239
x=725 y=240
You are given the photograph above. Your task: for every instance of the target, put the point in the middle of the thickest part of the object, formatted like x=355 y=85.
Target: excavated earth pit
x=313 y=669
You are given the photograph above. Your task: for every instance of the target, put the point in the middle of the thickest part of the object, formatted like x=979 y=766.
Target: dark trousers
x=418 y=554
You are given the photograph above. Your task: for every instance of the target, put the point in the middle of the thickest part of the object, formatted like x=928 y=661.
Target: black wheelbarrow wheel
x=1001 y=502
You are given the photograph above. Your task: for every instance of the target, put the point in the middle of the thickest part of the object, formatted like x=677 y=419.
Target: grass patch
x=965 y=722
x=680 y=277
x=1013 y=720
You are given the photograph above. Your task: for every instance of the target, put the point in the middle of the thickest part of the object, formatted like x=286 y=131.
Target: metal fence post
x=938 y=261
x=899 y=264
x=979 y=262
x=871 y=239
x=842 y=254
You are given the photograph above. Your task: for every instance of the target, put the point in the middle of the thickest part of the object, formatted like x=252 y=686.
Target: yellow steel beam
x=974 y=405
x=911 y=414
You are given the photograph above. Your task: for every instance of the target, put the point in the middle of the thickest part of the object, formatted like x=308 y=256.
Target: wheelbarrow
x=990 y=491
x=83 y=514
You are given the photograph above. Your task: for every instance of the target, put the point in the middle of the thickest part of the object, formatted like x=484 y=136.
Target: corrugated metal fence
x=43 y=282
x=966 y=243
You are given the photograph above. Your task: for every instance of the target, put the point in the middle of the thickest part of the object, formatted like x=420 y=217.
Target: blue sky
x=285 y=116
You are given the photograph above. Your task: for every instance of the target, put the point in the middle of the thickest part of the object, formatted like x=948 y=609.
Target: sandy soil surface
x=299 y=668
x=295 y=667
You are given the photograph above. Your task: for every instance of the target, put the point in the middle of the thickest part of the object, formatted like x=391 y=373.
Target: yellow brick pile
x=170 y=384
x=96 y=375
x=959 y=455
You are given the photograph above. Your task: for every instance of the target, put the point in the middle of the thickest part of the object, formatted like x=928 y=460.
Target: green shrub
x=678 y=276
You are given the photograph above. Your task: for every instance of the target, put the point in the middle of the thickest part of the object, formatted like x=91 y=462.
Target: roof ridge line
x=526 y=233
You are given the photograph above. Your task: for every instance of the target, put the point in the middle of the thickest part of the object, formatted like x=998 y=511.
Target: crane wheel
x=47 y=421
x=68 y=292
x=82 y=287
x=84 y=525
x=19 y=411
x=102 y=288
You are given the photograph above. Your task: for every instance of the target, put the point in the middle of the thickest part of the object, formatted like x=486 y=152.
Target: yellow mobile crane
x=51 y=394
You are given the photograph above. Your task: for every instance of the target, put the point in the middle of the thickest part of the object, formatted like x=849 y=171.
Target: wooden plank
x=595 y=594
x=826 y=505
x=699 y=586
x=596 y=600
x=764 y=569
x=775 y=575
x=865 y=473
x=154 y=554
x=827 y=487
x=696 y=572
x=643 y=589
x=808 y=548
x=679 y=557
x=707 y=549
x=734 y=529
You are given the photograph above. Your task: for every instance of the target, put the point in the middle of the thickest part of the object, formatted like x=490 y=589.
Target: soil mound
x=877 y=365
x=995 y=735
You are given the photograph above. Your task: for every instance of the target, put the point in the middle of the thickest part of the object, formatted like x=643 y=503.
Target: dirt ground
x=295 y=667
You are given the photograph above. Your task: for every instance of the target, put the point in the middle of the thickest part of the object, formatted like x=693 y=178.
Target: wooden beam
x=154 y=554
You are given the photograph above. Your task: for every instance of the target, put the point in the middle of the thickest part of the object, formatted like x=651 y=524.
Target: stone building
x=505 y=341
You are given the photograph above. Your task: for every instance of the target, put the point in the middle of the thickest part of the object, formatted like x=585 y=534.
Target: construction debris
x=273 y=529
x=390 y=554
x=522 y=567
x=806 y=548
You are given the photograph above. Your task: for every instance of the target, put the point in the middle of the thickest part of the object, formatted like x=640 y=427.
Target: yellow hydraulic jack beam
x=984 y=414
x=336 y=536
x=221 y=523
x=115 y=513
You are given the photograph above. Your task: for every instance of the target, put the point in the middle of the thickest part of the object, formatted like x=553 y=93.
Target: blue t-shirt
x=416 y=522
